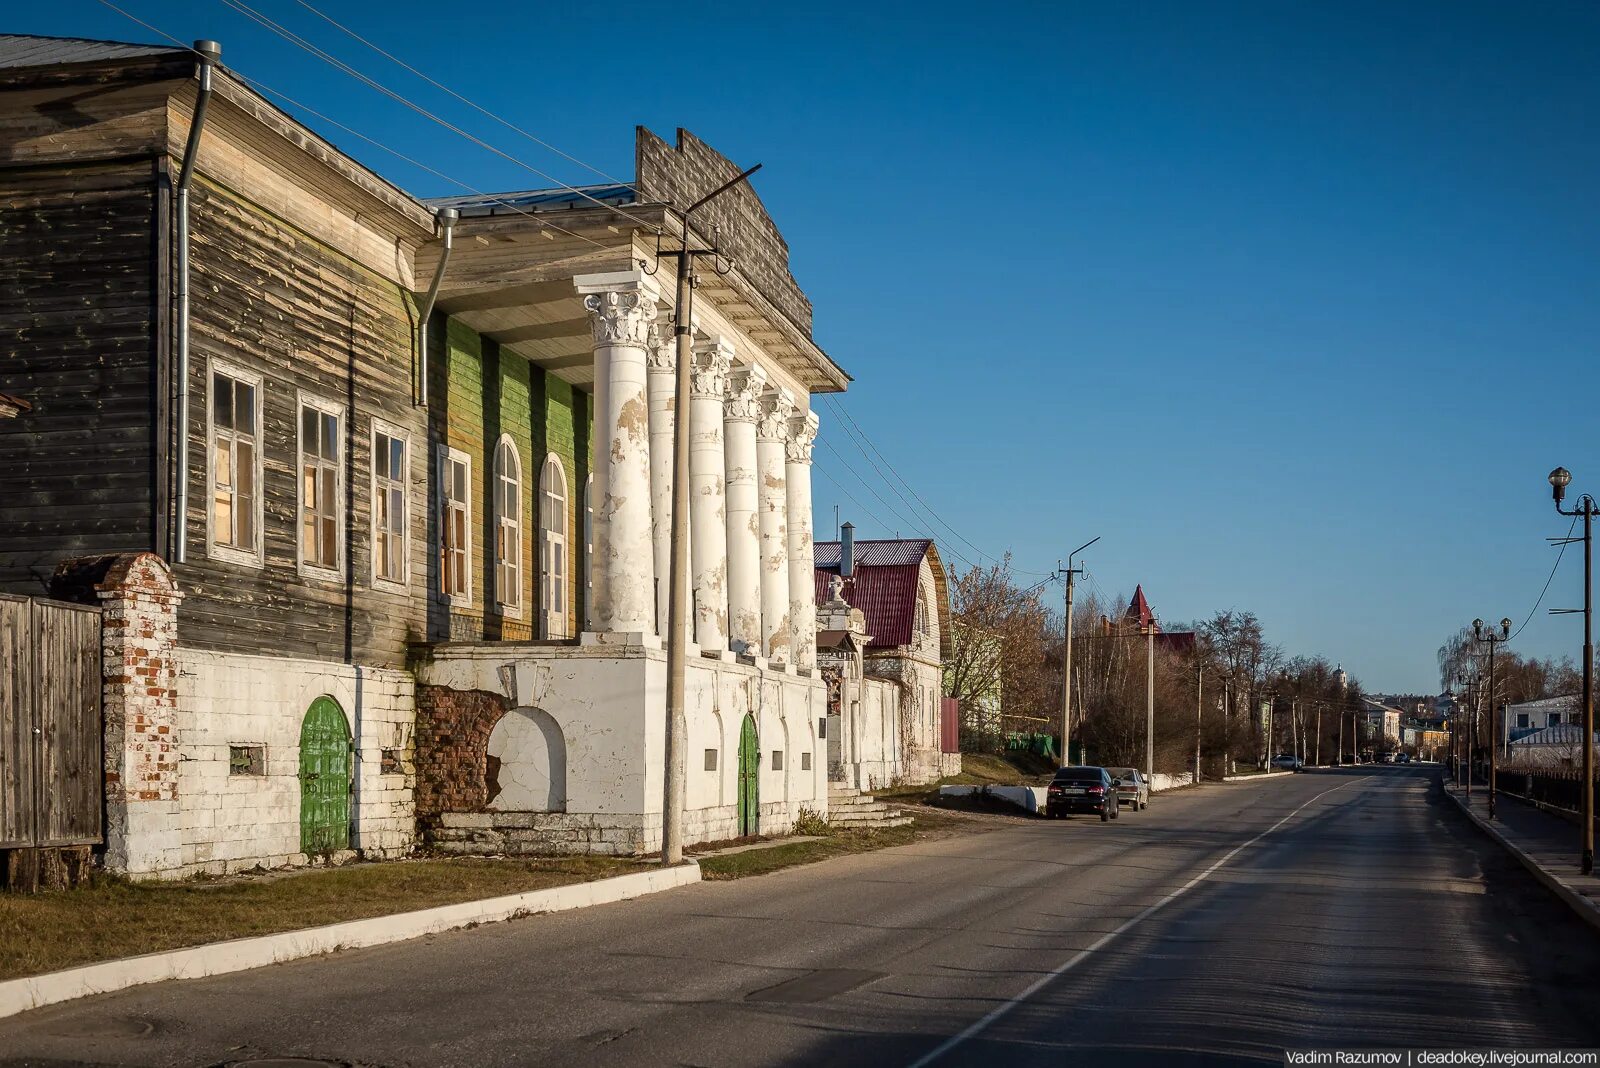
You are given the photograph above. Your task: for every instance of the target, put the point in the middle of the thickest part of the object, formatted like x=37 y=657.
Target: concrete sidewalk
x=1544 y=843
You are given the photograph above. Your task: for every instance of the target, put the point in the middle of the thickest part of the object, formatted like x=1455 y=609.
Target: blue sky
x=1292 y=304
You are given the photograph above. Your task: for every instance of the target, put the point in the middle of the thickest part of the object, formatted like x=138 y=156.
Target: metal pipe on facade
x=447 y=223
x=209 y=52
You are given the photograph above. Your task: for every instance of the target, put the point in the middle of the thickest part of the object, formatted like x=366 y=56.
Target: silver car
x=1132 y=789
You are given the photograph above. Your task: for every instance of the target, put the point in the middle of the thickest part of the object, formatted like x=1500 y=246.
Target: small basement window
x=247 y=760
x=711 y=760
x=389 y=762
x=777 y=760
x=805 y=761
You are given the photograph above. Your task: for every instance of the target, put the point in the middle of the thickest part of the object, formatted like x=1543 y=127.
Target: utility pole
x=678 y=593
x=1559 y=480
x=1318 y=756
x=1070 y=573
x=1494 y=744
x=1150 y=700
x=1199 y=705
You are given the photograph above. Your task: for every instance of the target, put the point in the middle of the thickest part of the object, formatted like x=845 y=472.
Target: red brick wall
x=452 y=748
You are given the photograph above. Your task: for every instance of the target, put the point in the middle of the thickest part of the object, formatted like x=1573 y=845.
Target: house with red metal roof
x=890 y=724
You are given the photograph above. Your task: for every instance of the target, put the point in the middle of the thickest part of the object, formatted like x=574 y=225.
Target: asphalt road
x=1220 y=926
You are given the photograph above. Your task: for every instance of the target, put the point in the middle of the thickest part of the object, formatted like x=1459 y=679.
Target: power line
x=262 y=87
x=863 y=443
x=471 y=104
x=1564 y=543
x=300 y=42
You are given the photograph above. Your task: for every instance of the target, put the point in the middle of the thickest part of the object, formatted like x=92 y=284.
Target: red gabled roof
x=884 y=587
x=1140 y=612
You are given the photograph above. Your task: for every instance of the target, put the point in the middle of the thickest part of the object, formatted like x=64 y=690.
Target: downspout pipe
x=209 y=52
x=447 y=223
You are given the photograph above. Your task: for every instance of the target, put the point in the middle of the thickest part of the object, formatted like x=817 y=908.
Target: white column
x=772 y=432
x=663 y=362
x=802 y=564
x=622 y=308
x=745 y=386
x=708 y=524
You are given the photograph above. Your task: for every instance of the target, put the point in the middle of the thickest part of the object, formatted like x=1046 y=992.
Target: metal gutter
x=209 y=52
x=447 y=222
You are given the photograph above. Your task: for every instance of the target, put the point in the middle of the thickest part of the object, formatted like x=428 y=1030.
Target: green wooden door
x=324 y=779
x=749 y=778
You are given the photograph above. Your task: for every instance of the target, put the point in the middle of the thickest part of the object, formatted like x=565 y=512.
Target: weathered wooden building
x=415 y=554
x=303 y=446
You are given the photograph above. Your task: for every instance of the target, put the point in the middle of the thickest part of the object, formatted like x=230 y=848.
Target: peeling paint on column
x=802 y=587
x=707 y=464
x=772 y=433
x=661 y=361
x=622 y=311
x=745 y=387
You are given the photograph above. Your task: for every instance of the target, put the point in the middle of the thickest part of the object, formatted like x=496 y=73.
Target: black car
x=1082 y=789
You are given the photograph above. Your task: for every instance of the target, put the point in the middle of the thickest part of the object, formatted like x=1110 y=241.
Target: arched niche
x=527 y=756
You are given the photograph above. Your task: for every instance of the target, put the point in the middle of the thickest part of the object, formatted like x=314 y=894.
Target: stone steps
x=854 y=810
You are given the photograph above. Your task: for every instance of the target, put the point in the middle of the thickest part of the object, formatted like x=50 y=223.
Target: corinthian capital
x=745 y=386
x=622 y=306
x=802 y=436
x=777 y=408
x=661 y=354
x=708 y=375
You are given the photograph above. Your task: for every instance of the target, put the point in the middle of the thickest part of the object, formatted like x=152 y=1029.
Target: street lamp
x=1494 y=742
x=1560 y=478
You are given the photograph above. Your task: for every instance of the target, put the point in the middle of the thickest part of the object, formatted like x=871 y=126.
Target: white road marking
x=1001 y=1011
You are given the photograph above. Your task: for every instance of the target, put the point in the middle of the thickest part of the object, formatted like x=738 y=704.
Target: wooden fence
x=52 y=776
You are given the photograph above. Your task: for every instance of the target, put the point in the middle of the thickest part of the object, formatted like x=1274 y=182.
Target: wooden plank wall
x=77 y=319
x=479 y=391
x=16 y=724
x=51 y=731
x=272 y=300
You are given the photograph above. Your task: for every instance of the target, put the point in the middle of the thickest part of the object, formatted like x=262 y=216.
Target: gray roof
x=26 y=50
x=887 y=553
x=582 y=196
x=1560 y=734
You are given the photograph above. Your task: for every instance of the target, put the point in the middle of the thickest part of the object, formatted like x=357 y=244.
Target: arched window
x=922 y=613
x=553 y=549
x=507 y=527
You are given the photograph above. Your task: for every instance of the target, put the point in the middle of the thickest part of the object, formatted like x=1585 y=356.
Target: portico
x=570 y=282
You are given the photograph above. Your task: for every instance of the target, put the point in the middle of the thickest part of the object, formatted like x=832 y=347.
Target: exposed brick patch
x=452 y=749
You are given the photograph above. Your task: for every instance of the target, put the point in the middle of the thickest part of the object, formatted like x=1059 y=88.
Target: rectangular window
x=247 y=760
x=805 y=761
x=1522 y=719
x=455 y=513
x=1554 y=720
x=320 y=426
x=777 y=760
x=391 y=464
x=235 y=469
x=711 y=760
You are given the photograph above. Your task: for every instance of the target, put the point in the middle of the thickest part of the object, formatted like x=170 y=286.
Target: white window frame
x=588 y=547
x=512 y=609
x=388 y=430
x=304 y=400
x=446 y=456
x=548 y=537
x=233 y=554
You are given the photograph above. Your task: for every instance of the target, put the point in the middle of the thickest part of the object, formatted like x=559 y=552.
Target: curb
x=1587 y=910
x=1258 y=777
x=241 y=954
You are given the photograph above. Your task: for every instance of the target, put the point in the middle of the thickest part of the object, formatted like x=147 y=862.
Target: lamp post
x=1069 y=573
x=1494 y=744
x=1560 y=478
x=678 y=595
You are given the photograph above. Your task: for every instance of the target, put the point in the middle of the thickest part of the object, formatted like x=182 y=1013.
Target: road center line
x=1001 y=1011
